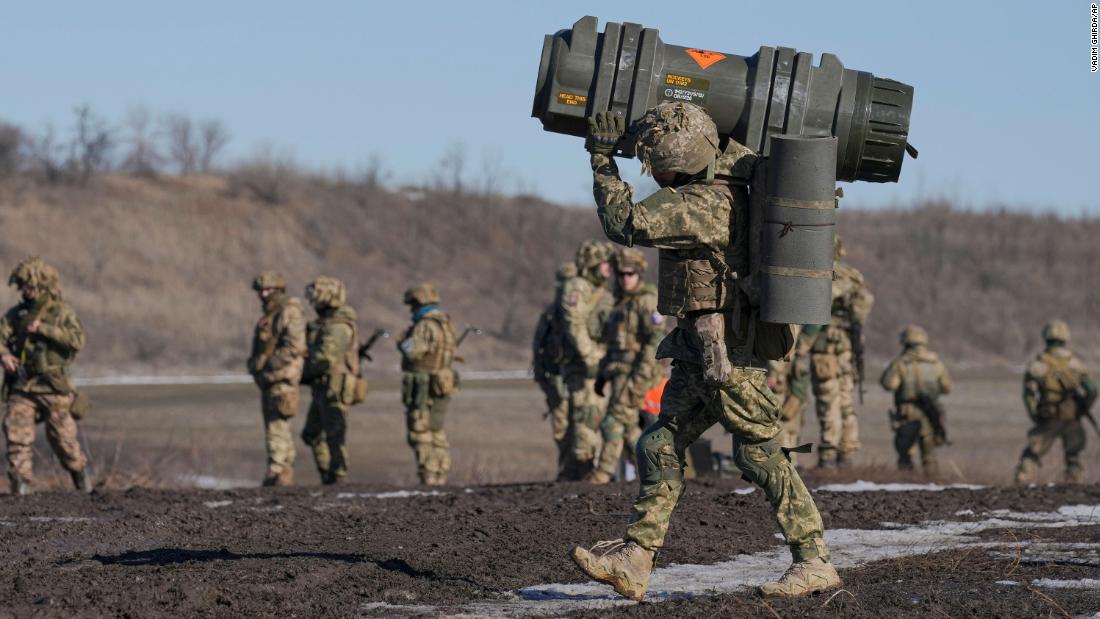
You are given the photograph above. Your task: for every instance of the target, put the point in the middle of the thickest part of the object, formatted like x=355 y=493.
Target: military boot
x=801 y=578
x=270 y=479
x=285 y=478
x=19 y=486
x=1025 y=472
x=599 y=477
x=81 y=481
x=623 y=565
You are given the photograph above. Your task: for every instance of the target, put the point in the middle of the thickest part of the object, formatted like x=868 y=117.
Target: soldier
x=790 y=381
x=698 y=224
x=427 y=382
x=918 y=378
x=39 y=338
x=546 y=367
x=630 y=368
x=278 y=354
x=332 y=372
x=836 y=353
x=583 y=310
x=1058 y=391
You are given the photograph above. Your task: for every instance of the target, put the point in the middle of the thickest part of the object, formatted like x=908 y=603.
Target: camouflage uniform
x=332 y=371
x=583 y=309
x=427 y=382
x=546 y=367
x=41 y=390
x=278 y=354
x=1057 y=388
x=918 y=378
x=700 y=229
x=630 y=368
x=790 y=381
x=832 y=369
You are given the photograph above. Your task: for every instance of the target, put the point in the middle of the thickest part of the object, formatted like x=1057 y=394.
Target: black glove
x=604 y=131
x=601 y=380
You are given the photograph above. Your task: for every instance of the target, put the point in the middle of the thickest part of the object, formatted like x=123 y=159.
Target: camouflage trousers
x=24 y=411
x=326 y=433
x=912 y=430
x=746 y=408
x=793 y=414
x=428 y=440
x=833 y=379
x=279 y=403
x=1042 y=437
x=586 y=410
x=557 y=407
x=620 y=427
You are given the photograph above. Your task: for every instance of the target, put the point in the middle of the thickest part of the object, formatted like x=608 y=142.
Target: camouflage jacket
x=279 y=342
x=332 y=341
x=583 y=309
x=914 y=374
x=632 y=332
x=46 y=354
x=852 y=303
x=429 y=343
x=1057 y=385
x=792 y=376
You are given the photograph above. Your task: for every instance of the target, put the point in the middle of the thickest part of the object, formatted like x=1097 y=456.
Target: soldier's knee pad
x=758 y=462
x=656 y=455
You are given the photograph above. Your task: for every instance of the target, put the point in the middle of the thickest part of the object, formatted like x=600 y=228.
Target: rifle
x=467 y=331
x=933 y=409
x=364 y=350
x=855 y=334
x=1084 y=403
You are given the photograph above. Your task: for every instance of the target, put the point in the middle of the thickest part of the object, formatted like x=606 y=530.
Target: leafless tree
x=451 y=169
x=90 y=148
x=142 y=156
x=268 y=176
x=47 y=155
x=183 y=146
x=213 y=137
x=11 y=144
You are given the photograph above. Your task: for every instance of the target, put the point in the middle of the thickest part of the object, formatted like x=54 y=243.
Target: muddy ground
x=364 y=550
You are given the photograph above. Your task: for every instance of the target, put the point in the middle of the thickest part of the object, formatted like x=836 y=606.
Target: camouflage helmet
x=1056 y=330
x=423 y=293
x=838 y=248
x=591 y=253
x=326 y=292
x=914 y=335
x=269 y=279
x=628 y=257
x=676 y=137
x=32 y=271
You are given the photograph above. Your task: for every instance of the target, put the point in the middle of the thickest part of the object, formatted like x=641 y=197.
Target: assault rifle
x=933 y=409
x=462 y=338
x=1084 y=403
x=855 y=333
x=364 y=350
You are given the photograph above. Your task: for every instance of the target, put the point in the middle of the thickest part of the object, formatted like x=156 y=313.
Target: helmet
x=1056 y=330
x=838 y=248
x=565 y=271
x=591 y=253
x=423 y=293
x=34 y=272
x=628 y=257
x=326 y=292
x=913 y=335
x=269 y=279
x=676 y=137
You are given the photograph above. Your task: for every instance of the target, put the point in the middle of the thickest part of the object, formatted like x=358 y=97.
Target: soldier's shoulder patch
x=657 y=318
x=406 y=345
x=572 y=298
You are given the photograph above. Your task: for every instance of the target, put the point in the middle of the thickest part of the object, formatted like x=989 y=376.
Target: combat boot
x=285 y=478
x=626 y=566
x=270 y=479
x=81 y=481
x=1025 y=471
x=599 y=478
x=19 y=486
x=801 y=578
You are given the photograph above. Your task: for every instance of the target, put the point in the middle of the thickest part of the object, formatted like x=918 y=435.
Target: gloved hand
x=604 y=131
x=601 y=380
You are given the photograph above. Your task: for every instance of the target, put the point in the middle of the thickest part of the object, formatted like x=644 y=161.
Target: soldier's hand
x=11 y=364
x=33 y=327
x=605 y=129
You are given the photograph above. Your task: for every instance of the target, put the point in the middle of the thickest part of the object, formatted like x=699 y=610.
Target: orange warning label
x=566 y=98
x=705 y=58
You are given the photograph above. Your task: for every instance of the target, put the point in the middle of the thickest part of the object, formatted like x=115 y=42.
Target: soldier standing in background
x=39 y=338
x=585 y=305
x=836 y=363
x=918 y=378
x=332 y=372
x=1058 y=391
x=790 y=381
x=630 y=368
x=427 y=382
x=546 y=360
x=278 y=354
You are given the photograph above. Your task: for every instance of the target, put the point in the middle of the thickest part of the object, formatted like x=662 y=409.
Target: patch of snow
x=870 y=486
x=396 y=494
x=1053 y=583
x=748 y=490
x=965 y=512
x=217 y=504
x=210 y=482
x=59 y=519
x=1007 y=583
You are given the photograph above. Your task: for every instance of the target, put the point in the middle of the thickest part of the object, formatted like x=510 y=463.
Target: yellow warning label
x=567 y=98
x=684 y=81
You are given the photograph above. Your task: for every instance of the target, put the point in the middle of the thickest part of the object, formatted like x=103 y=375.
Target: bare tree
x=374 y=174
x=142 y=156
x=11 y=143
x=183 y=144
x=47 y=155
x=268 y=176
x=213 y=137
x=90 y=148
x=451 y=168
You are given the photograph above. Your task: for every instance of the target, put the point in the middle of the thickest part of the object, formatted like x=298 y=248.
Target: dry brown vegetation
x=159 y=266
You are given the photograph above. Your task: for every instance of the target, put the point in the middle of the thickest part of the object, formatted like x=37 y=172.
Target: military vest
x=920 y=376
x=44 y=364
x=1058 y=387
x=349 y=363
x=442 y=355
x=624 y=323
x=265 y=341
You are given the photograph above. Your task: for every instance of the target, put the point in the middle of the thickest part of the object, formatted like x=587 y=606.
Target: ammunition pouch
x=80 y=406
x=415 y=389
x=444 y=383
x=824 y=366
x=353 y=389
x=686 y=285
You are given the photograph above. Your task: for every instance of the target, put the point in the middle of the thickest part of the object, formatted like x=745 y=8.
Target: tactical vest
x=350 y=363
x=266 y=340
x=623 y=324
x=441 y=356
x=44 y=365
x=919 y=377
x=1058 y=387
x=702 y=279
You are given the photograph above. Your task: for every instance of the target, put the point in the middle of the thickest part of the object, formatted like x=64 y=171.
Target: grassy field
x=211 y=435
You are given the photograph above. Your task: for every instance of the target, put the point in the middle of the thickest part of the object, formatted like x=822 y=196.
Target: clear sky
x=1006 y=109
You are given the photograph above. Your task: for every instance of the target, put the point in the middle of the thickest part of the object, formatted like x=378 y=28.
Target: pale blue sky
x=1005 y=107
